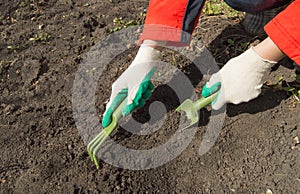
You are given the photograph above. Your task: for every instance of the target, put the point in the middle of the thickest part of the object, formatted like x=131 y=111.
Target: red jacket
x=174 y=21
x=284 y=30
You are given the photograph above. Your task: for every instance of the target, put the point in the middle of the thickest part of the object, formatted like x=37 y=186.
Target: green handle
x=97 y=142
x=117 y=114
x=203 y=102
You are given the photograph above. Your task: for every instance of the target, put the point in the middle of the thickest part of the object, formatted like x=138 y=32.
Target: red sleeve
x=172 y=21
x=284 y=30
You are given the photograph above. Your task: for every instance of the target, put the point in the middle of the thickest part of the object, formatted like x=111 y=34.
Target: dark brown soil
x=42 y=151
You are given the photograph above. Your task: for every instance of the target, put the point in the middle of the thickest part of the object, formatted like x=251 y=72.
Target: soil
x=42 y=151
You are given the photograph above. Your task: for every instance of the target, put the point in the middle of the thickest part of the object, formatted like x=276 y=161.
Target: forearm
x=268 y=50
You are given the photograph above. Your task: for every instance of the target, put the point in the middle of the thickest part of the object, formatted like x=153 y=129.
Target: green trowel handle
x=117 y=114
x=203 y=102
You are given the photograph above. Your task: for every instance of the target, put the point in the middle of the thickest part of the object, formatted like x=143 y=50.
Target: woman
x=171 y=22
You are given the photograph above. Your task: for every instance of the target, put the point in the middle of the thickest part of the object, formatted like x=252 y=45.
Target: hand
x=134 y=83
x=241 y=79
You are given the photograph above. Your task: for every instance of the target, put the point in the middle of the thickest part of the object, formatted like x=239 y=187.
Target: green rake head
x=94 y=146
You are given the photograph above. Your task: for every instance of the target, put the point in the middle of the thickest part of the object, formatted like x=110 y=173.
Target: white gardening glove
x=241 y=79
x=134 y=83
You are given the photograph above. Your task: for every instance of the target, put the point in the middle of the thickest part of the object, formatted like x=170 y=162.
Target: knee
x=254 y=5
x=245 y=5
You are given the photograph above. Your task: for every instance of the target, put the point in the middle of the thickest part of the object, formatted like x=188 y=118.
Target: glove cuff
x=255 y=55
x=146 y=53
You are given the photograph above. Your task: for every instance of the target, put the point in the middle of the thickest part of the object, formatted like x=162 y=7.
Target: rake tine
x=96 y=143
x=93 y=143
x=96 y=149
x=106 y=132
x=97 y=139
x=94 y=146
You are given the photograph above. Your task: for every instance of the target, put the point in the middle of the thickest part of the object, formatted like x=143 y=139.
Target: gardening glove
x=241 y=79
x=135 y=84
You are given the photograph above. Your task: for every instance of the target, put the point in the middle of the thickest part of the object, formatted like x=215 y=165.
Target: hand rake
x=94 y=146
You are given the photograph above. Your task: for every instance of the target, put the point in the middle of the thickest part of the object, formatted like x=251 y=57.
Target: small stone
x=269 y=191
x=129 y=46
x=296 y=139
